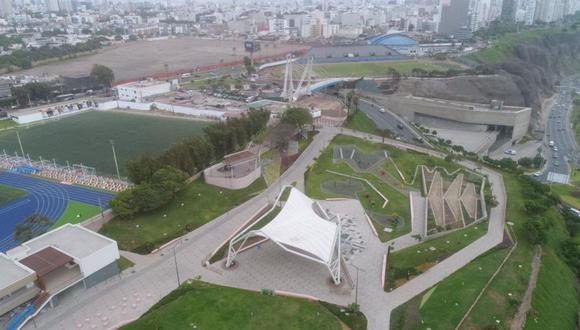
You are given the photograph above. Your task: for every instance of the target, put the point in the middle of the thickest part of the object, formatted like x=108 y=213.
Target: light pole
x=356 y=285
x=20 y=143
x=115 y=158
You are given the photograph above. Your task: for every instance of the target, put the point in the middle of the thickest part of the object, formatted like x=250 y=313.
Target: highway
x=559 y=130
x=386 y=120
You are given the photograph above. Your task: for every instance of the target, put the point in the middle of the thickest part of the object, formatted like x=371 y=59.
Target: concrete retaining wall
x=407 y=107
x=231 y=183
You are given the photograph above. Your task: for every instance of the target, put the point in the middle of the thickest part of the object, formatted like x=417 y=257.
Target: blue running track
x=44 y=197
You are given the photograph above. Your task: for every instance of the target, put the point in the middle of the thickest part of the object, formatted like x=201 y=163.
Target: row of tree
x=158 y=191
x=24 y=58
x=538 y=199
x=157 y=179
x=41 y=91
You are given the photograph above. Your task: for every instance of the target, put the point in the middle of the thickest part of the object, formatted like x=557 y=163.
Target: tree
x=384 y=133
x=281 y=135
x=169 y=179
x=535 y=231
x=570 y=249
x=538 y=161
x=124 y=205
x=248 y=64
x=33 y=226
x=142 y=169
x=297 y=118
x=149 y=197
x=103 y=75
x=525 y=162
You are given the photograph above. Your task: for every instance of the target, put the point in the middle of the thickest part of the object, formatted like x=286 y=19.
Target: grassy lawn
x=372 y=202
x=554 y=304
x=496 y=304
x=194 y=206
x=405 y=264
x=77 y=212
x=207 y=306
x=371 y=69
x=272 y=170
x=443 y=306
x=124 y=263
x=570 y=194
x=7 y=123
x=8 y=194
x=361 y=122
x=503 y=48
x=85 y=138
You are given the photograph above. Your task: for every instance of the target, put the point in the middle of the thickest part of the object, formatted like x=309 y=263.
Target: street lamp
x=356 y=286
x=115 y=158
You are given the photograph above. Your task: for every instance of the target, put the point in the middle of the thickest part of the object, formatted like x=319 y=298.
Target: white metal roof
x=12 y=271
x=74 y=240
x=300 y=227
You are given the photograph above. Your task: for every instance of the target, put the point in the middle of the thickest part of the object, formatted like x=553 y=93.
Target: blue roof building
x=400 y=42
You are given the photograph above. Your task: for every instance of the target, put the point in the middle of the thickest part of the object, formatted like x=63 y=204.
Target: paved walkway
x=120 y=300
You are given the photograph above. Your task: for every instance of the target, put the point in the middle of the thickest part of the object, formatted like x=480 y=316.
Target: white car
x=511 y=152
x=537 y=174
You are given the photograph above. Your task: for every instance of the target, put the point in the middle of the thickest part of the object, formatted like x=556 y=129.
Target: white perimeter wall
x=99 y=259
x=137 y=93
x=195 y=112
x=27 y=118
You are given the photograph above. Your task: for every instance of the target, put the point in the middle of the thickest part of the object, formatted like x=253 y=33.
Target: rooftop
x=12 y=271
x=458 y=105
x=143 y=83
x=46 y=260
x=73 y=240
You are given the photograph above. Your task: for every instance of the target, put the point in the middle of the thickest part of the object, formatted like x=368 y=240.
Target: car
x=555 y=148
x=382 y=110
x=400 y=126
x=551 y=143
x=555 y=156
x=537 y=174
x=510 y=152
x=556 y=164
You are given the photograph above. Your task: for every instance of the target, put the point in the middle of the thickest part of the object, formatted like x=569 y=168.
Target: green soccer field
x=85 y=138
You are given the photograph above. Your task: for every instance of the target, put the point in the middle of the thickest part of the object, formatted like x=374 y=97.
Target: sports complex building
x=41 y=269
x=385 y=47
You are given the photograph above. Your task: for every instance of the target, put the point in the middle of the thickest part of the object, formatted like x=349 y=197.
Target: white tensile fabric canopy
x=300 y=230
x=298 y=226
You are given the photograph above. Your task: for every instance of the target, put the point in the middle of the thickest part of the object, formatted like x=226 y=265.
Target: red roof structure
x=46 y=260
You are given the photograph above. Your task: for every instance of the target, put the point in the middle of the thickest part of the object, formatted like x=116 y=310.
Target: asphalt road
x=558 y=129
x=385 y=120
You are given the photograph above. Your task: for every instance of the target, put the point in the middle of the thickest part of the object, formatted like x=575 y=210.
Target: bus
x=64 y=97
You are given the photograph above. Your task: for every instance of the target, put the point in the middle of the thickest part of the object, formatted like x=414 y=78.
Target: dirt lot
x=142 y=58
x=330 y=105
